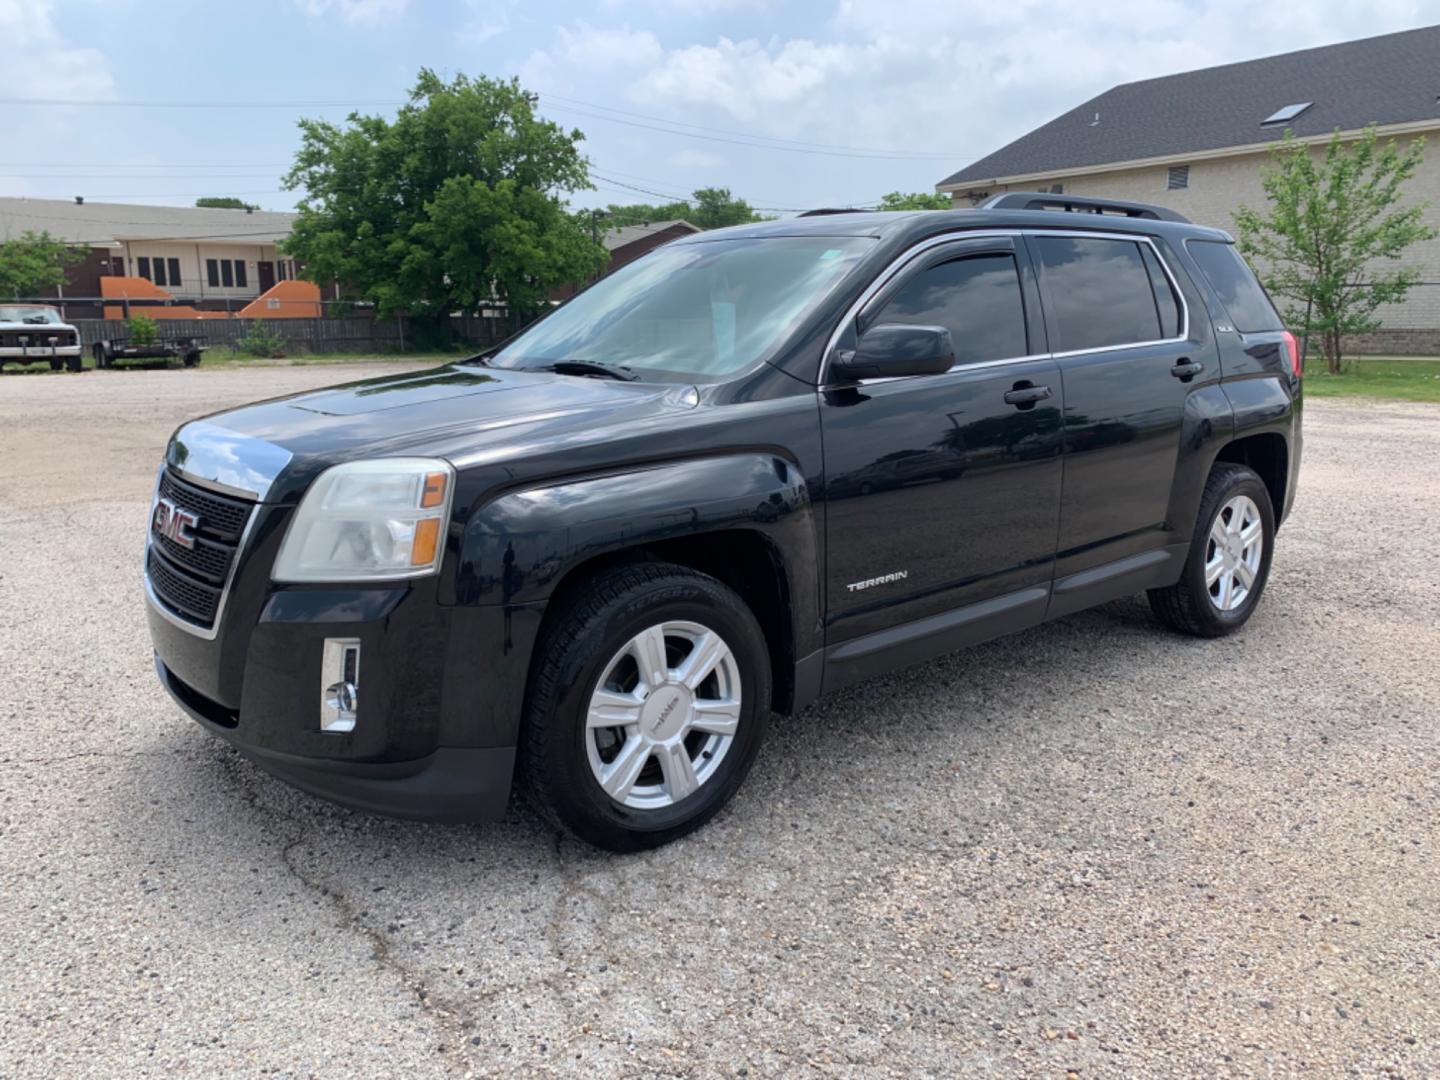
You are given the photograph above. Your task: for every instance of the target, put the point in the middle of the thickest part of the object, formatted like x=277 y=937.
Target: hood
x=445 y=412
x=33 y=328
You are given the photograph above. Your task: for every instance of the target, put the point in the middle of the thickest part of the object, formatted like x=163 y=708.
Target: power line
x=597 y=112
x=899 y=154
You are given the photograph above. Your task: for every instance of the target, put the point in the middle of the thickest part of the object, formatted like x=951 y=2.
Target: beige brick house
x=1196 y=142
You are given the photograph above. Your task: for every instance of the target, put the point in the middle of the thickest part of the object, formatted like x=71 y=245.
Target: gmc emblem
x=173 y=523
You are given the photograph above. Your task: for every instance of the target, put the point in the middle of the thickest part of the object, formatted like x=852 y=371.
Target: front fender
x=516 y=547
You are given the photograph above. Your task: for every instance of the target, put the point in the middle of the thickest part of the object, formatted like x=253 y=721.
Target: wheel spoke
x=1245 y=574
x=1214 y=568
x=1218 y=535
x=1237 y=518
x=679 y=771
x=1227 y=583
x=716 y=717
x=648 y=648
x=703 y=658
x=620 y=775
x=1250 y=533
x=609 y=709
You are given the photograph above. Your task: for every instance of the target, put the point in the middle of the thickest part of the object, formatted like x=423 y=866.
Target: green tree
x=224 y=202
x=34 y=262
x=455 y=203
x=709 y=208
x=1330 y=242
x=918 y=200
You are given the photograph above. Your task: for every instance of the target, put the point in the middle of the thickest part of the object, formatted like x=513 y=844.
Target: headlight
x=369 y=520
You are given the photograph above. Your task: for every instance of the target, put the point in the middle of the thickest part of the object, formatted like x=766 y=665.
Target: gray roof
x=1391 y=79
x=104 y=223
x=628 y=234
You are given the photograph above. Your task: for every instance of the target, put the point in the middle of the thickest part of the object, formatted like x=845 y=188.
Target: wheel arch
x=1267 y=454
x=746 y=519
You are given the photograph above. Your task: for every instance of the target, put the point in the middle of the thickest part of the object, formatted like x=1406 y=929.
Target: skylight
x=1285 y=115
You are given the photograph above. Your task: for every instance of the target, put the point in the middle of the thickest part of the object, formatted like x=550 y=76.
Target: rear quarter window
x=1234 y=283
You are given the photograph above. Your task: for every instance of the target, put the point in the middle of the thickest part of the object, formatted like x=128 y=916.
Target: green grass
x=1396 y=378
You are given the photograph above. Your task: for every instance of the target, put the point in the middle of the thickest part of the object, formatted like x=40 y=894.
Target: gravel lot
x=1095 y=848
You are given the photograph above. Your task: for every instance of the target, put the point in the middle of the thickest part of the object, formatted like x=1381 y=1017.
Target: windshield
x=698 y=310
x=37 y=316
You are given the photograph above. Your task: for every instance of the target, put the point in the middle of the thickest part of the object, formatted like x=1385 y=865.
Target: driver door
x=943 y=491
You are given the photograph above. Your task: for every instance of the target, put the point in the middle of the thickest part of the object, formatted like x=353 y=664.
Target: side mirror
x=894 y=349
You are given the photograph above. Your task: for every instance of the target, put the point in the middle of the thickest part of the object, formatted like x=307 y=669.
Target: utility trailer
x=185 y=349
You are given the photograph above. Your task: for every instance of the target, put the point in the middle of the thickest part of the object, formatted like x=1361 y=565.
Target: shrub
x=142 y=330
x=261 y=340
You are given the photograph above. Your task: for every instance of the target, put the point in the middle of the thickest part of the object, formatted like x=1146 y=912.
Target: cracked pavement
x=1094 y=848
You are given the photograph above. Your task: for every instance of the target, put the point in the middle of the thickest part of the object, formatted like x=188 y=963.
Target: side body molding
x=517 y=546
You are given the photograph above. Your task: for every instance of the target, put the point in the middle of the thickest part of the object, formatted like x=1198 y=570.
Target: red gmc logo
x=173 y=523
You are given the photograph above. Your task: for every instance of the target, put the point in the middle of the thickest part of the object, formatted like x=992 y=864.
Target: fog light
x=340 y=684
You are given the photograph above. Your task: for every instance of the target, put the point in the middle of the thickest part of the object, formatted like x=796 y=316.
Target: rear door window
x=976 y=297
x=1097 y=293
x=1166 y=303
x=1245 y=301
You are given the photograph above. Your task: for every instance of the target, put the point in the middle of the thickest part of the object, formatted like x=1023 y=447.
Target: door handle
x=1025 y=395
x=1186 y=369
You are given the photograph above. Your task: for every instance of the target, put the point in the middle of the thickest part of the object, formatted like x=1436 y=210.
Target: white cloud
x=583 y=52
x=38 y=62
x=354 y=12
x=956 y=80
x=694 y=159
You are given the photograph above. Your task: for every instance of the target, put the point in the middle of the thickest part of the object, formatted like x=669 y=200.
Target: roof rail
x=824 y=210
x=1040 y=200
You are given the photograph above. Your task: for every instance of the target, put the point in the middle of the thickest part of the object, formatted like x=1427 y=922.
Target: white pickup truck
x=33 y=333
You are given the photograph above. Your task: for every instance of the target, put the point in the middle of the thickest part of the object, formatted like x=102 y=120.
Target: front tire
x=1229 y=559
x=648 y=701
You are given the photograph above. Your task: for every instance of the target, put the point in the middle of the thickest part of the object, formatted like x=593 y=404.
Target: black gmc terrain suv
x=752 y=467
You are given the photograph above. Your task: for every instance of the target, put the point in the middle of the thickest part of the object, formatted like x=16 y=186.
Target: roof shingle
x=1392 y=79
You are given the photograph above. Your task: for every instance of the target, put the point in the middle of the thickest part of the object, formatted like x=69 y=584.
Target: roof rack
x=1040 y=200
x=824 y=210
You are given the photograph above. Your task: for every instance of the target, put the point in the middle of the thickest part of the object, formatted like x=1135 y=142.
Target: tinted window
x=174 y=266
x=142 y=267
x=212 y=272
x=227 y=273
x=160 y=278
x=1245 y=302
x=976 y=298
x=1165 y=302
x=1098 y=293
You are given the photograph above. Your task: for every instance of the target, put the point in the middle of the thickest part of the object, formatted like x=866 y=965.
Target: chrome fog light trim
x=340 y=684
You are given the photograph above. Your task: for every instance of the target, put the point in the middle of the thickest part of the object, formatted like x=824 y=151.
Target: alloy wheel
x=663 y=715
x=1233 y=552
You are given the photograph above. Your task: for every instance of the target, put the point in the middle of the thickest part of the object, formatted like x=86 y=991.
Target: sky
x=789 y=105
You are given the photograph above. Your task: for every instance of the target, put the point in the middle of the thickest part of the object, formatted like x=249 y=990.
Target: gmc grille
x=191 y=582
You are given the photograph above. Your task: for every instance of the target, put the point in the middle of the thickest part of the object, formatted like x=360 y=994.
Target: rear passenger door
x=1130 y=355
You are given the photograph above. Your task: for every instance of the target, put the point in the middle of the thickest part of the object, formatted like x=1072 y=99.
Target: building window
x=240 y=281
x=174 y=267
x=160 y=278
x=227 y=273
x=142 y=267
x=212 y=272
x=1057 y=189
x=1178 y=177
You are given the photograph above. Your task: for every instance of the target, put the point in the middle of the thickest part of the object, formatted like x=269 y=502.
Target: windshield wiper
x=591 y=367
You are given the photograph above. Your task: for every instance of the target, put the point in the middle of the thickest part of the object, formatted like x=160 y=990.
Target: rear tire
x=73 y=363
x=191 y=359
x=1224 y=575
x=687 y=726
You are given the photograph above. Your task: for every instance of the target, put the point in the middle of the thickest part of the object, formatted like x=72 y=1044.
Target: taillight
x=1293 y=347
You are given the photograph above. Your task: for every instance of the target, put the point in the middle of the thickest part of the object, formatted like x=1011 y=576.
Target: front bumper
x=34 y=354
x=451 y=784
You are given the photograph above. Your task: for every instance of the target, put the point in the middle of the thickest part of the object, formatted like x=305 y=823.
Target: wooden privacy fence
x=357 y=335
